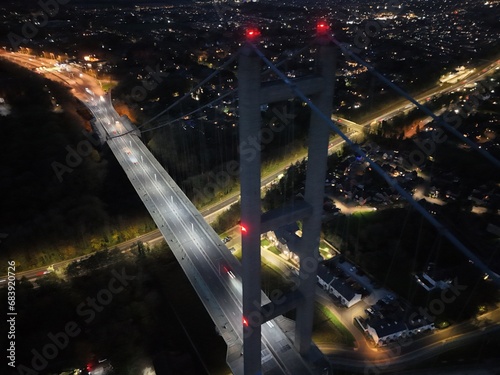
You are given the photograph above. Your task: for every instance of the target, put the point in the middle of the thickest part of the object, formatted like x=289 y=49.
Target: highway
x=208 y=264
x=204 y=258
x=400 y=106
x=210 y=212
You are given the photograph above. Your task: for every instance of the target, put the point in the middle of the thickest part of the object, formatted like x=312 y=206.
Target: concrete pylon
x=251 y=96
x=314 y=192
x=250 y=123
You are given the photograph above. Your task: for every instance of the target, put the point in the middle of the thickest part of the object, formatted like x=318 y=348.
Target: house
x=285 y=238
x=337 y=287
x=416 y=324
x=389 y=322
x=342 y=290
x=428 y=283
x=325 y=277
x=384 y=331
x=435 y=278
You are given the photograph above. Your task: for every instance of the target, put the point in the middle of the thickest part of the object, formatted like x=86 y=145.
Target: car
x=229 y=272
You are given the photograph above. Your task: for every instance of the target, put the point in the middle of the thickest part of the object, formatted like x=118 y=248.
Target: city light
x=217 y=86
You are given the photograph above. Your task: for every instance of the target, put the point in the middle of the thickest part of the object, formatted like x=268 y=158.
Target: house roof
x=344 y=289
x=284 y=232
x=415 y=320
x=341 y=286
x=325 y=274
x=386 y=327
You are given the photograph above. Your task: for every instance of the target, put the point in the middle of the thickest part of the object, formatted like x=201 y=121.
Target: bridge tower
x=252 y=94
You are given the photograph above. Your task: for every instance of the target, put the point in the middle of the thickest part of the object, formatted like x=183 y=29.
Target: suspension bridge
x=229 y=290
x=249 y=321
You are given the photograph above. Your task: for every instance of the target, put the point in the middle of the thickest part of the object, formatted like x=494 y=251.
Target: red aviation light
x=243 y=228
x=322 y=27
x=252 y=33
x=245 y=322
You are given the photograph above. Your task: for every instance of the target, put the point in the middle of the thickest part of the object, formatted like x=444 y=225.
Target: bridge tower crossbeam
x=252 y=93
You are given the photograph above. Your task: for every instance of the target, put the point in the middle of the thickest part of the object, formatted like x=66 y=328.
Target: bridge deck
x=199 y=250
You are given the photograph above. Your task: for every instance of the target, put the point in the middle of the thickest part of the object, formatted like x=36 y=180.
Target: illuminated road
x=199 y=250
x=400 y=107
x=209 y=265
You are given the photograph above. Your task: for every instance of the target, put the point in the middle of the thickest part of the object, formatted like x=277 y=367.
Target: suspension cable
x=188 y=94
x=392 y=183
x=423 y=108
x=221 y=97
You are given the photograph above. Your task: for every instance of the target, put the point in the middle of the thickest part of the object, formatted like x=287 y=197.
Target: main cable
x=391 y=182
x=186 y=95
x=408 y=97
x=221 y=97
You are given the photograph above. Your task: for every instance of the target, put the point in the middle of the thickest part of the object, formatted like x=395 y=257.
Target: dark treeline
x=197 y=152
x=392 y=245
x=47 y=218
x=121 y=311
